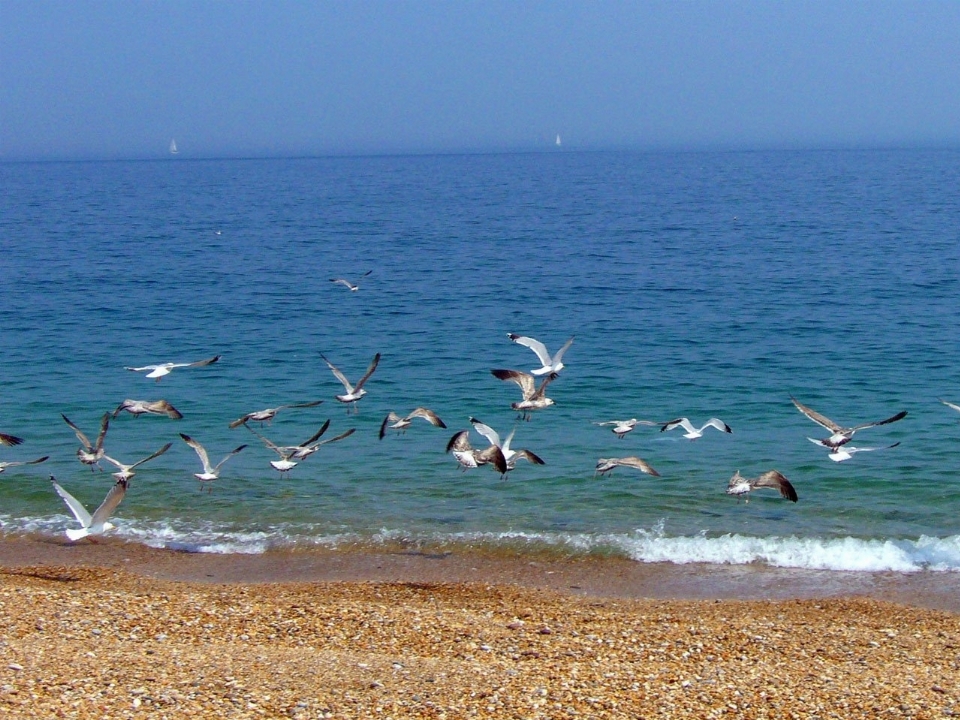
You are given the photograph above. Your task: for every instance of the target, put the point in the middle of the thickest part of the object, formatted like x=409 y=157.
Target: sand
x=109 y=633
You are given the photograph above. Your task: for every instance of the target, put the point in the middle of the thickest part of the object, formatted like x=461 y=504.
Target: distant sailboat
x=558 y=139
x=173 y=147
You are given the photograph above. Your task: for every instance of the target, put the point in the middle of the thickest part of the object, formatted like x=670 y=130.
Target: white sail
x=173 y=147
x=558 y=139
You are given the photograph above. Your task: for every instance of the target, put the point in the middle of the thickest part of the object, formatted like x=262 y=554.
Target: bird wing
x=341 y=436
x=492 y=436
x=819 y=419
x=679 y=422
x=899 y=416
x=302 y=405
x=158 y=453
x=316 y=436
x=340 y=281
x=227 y=457
x=851 y=449
x=80 y=436
x=539 y=393
x=369 y=372
x=240 y=421
x=109 y=503
x=494 y=456
x=269 y=443
x=104 y=426
x=37 y=461
x=338 y=375
x=391 y=417
x=950 y=404
x=162 y=407
x=143 y=368
x=532 y=457
x=559 y=354
x=201 y=452
x=773 y=479
x=429 y=415
x=638 y=463
x=76 y=507
x=460 y=442
x=10 y=440
x=201 y=363
x=524 y=380
x=719 y=425
x=538 y=347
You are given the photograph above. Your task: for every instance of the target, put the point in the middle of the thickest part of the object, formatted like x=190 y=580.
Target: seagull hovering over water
x=265 y=416
x=622 y=427
x=148 y=407
x=534 y=398
x=210 y=472
x=352 y=287
x=12 y=463
x=549 y=363
x=161 y=369
x=841 y=435
x=693 y=433
x=353 y=392
x=290 y=455
x=845 y=452
x=95 y=524
x=605 y=465
x=509 y=455
x=741 y=486
x=468 y=457
x=394 y=422
x=10 y=440
x=126 y=471
x=91 y=453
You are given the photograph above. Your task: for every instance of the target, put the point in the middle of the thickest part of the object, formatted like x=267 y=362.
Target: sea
x=694 y=284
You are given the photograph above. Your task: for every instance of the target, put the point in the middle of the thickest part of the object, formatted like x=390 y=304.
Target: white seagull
x=148 y=407
x=13 y=463
x=352 y=287
x=353 y=392
x=509 y=455
x=841 y=435
x=92 y=524
x=550 y=363
x=265 y=416
x=159 y=370
x=605 y=465
x=291 y=454
x=10 y=440
x=950 y=404
x=210 y=472
x=693 y=433
x=534 y=398
x=622 y=427
x=468 y=457
x=91 y=453
x=741 y=486
x=126 y=471
x=394 y=422
x=845 y=452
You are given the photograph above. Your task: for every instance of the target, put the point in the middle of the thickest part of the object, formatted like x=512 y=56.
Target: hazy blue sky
x=120 y=79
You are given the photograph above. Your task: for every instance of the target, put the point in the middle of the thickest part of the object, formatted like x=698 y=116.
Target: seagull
x=622 y=427
x=395 y=422
x=950 y=404
x=354 y=393
x=291 y=454
x=551 y=364
x=148 y=407
x=740 y=485
x=841 y=435
x=91 y=453
x=210 y=472
x=605 y=465
x=510 y=456
x=126 y=471
x=692 y=432
x=97 y=523
x=265 y=416
x=10 y=440
x=845 y=452
x=305 y=451
x=534 y=398
x=161 y=369
x=13 y=463
x=468 y=457
x=352 y=287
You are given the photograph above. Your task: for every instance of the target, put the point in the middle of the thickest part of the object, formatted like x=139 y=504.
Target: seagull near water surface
x=90 y=453
x=394 y=422
x=265 y=416
x=161 y=369
x=148 y=407
x=4 y=464
x=845 y=452
x=549 y=363
x=693 y=433
x=290 y=455
x=210 y=472
x=622 y=427
x=468 y=457
x=742 y=487
x=95 y=524
x=841 y=435
x=510 y=456
x=126 y=471
x=534 y=398
x=351 y=286
x=353 y=392
x=605 y=465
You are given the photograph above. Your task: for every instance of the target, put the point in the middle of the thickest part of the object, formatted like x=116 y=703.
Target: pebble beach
x=115 y=631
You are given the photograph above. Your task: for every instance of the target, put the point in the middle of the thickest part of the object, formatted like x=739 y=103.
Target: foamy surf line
x=840 y=554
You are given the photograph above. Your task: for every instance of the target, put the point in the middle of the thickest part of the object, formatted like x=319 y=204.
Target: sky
x=119 y=79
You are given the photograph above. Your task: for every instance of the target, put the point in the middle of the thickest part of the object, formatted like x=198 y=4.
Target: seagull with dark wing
x=95 y=524
x=622 y=427
x=210 y=472
x=845 y=452
x=509 y=455
x=288 y=453
x=352 y=287
x=605 y=465
x=468 y=457
x=549 y=363
x=534 y=398
x=10 y=440
x=126 y=471
x=265 y=416
x=90 y=453
x=741 y=486
x=353 y=392
x=13 y=463
x=841 y=435
x=159 y=370
x=148 y=407
x=394 y=422
x=693 y=433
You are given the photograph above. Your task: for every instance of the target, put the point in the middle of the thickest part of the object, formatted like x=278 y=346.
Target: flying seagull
x=841 y=435
x=741 y=486
x=290 y=455
x=10 y=440
x=12 y=463
x=509 y=455
x=92 y=524
x=845 y=452
x=534 y=398
x=161 y=369
x=353 y=392
x=468 y=457
x=622 y=427
x=210 y=472
x=394 y=422
x=91 y=453
x=550 y=363
x=693 y=433
x=352 y=287
x=605 y=465
x=265 y=416
x=148 y=407
x=126 y=471
x=950 y=404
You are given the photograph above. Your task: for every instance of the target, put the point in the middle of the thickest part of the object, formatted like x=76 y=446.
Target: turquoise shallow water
x=695 y=284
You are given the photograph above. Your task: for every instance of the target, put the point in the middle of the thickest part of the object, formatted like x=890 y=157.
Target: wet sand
x=120 y=630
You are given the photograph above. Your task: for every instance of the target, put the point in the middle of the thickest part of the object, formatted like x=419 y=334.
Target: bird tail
x=75 y=535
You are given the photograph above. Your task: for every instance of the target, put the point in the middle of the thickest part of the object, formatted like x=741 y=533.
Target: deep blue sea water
x=695 y=284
